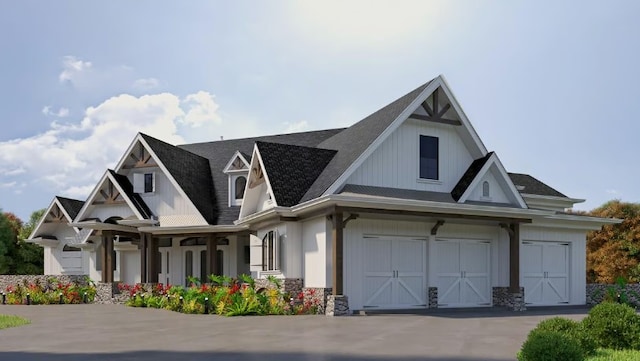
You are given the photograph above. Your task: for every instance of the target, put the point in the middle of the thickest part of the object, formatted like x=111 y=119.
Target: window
x=428 y=157
x=270 y=252
x=241 y=183
x=485 y=189
x=143 y=183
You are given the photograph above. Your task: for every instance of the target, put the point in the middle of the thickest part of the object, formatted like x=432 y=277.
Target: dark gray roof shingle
x=292 y=169
x=353 y=141
x=135 y=198
x=533 y=186
x=398 y=193
x=72 y=206
x=192 y=173
x=220 y=152
x=468 y=176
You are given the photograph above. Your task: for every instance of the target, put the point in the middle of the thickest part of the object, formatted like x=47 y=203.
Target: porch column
x=144 y=246
x=212 y=254
x=337 y=248
x=107 y=256
x=514 y=258
x=152 y=259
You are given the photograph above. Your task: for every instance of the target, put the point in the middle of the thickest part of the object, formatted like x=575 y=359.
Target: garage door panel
x=409 y=256
x=545 y=272
x=410 y=290
x=448 y=257
x=377 y=253
x=377 y=291
x=473 y=257
x=449 y=290
x=463 y=273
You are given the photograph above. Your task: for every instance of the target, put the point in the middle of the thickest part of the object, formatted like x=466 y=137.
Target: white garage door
x=462 y=273
x=394 y=273
x=545 y=272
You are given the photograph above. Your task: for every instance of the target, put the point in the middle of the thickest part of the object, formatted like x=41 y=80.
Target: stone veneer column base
x=337 y=305
x=432 y=297
x=317 y=296
x=502 y=296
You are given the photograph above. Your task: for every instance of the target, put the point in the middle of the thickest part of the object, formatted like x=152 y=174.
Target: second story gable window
x=429 y=154
x=143 y=183
x=240 y=184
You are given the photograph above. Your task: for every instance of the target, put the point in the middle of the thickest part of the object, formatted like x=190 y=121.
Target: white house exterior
x=405 y=209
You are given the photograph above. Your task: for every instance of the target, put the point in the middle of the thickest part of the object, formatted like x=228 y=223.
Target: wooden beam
x=433 y=215
x=212 y=257
x=108 y=202
x=144 y=245
x=153 y=249
x=434 y=229
x=427 y=108
x=444 y=110
x=337 y=253
x=514 y=258
x=351 y=217
x=107 y=265
x=436 y=119
x=435 y=100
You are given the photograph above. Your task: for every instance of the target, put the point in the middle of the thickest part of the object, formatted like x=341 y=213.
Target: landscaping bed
x=50 y=291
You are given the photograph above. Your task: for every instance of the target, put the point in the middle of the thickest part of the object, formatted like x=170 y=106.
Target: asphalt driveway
x=114 y=332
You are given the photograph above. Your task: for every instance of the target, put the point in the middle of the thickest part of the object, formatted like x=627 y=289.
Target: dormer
x=237 y=171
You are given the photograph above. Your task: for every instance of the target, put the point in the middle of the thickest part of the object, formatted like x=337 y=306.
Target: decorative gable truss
x=486 y=180
x=258 y=195
x=54 y=216
x=238 y=170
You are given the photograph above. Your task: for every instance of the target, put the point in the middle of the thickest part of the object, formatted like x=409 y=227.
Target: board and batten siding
x=577 y=261
x=167 y=203
x=395 y=163
x=496 y=193
x=316 y=249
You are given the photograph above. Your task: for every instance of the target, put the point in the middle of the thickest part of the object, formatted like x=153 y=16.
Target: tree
x=28 y=227
x=31 y=255
x=614 y=251
x=6 y=241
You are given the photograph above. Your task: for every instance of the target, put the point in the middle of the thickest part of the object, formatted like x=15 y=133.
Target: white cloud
x=146 y=84
x=71 y=157
x=8 y=184
x=61 y=113
x=72 y=68
x=201 y=109
x=613 y=192
x=300 y=126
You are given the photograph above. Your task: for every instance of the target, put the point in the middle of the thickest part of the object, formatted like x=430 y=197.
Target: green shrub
x=550 y=346
x=572 y=329
x=614 y=325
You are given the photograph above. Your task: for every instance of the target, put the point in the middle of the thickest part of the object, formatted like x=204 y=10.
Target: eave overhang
x=194 y=229
x=44 y=242
x=100 y=226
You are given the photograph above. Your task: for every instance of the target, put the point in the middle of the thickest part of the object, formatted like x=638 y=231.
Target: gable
x=108 y=199
x=489 y=189
x=356 y=144
x=237 y=163
x=258 y=195
x=56 y=219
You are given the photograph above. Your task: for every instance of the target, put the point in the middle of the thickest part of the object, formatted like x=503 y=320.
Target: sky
x=551 y=86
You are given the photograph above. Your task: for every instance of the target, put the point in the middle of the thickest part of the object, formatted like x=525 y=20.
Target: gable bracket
x=351 y=217
x=434 y=114
x=507 y=228
x=434 y=229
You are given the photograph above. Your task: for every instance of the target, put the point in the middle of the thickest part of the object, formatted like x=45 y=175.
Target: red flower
x=235 y=288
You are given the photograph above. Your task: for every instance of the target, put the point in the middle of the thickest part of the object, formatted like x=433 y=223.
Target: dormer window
x=237 y=169
x=144 y=183
x=240 y=185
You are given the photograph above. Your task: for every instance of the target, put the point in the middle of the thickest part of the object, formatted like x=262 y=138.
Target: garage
x=462 y=270
x=394 y=272
x=545 y=272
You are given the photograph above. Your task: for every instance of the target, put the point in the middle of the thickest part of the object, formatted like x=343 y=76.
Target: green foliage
x=544 y=345
x=614 y=326
x=7 y=239
x=28 y=227
x=225 y=296
x=7 y=321
x=572 y=329
x=16 y=255
x=615 y=355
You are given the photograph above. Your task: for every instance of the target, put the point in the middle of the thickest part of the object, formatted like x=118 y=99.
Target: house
x=405 y=209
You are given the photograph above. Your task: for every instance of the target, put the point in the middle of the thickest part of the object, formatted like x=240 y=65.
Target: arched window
x=270 y=252
x=241 y=183
x=485 y=189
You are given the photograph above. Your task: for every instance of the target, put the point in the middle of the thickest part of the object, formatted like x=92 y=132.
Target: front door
x=165 y=266
x=462 y=273
x=194 y=263
x=394 y=273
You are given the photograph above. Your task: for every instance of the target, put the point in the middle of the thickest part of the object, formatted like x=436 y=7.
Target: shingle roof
x=72 y=206
x=533 y=186
x=219 y=152
x=192 y=173
x=468 y=176
x=292 y=169
x=353 y=141
x=135 y=198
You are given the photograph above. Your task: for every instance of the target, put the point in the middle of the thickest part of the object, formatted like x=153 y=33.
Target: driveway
x=110 y=332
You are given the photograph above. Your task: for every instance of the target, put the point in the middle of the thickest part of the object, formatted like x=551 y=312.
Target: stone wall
x=287 y=285
x=43 y=280
x=597 y=293
x=503 y=297
x=337 y=306
x=317 y=296
x=432 y=297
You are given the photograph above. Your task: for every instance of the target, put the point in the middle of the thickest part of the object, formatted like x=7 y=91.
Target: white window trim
x=139 y=183
x=437 y=181
x=276 y=254
x=232 y=186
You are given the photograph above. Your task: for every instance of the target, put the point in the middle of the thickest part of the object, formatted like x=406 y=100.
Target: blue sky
x=551 y=86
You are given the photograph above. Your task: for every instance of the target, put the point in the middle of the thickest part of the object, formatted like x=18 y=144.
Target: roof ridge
x=258 y=138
